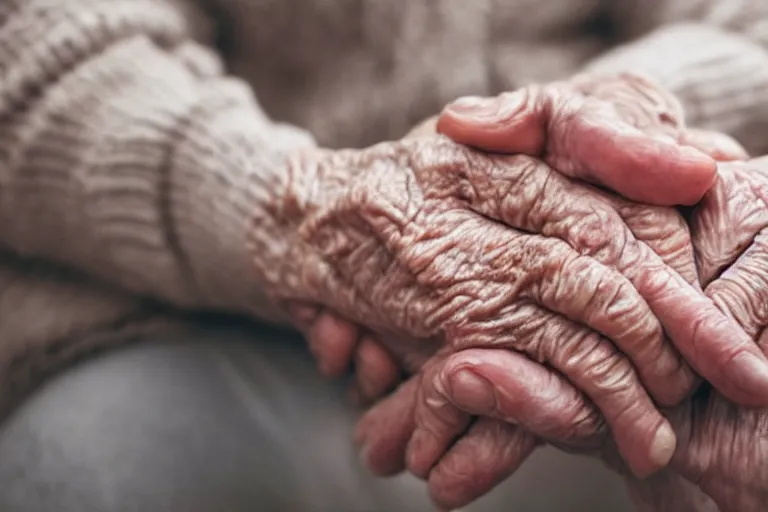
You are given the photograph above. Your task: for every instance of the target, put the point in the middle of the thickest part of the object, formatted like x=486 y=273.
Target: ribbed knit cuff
x=720 y=78
x=227 y=173
x=136 y=163
x=209 y=169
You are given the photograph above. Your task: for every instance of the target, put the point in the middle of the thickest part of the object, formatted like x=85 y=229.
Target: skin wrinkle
x=724 y=445
x=589 y=229
x=600 y=248
x=746 y=209
x=483 y=199
x=313 y=290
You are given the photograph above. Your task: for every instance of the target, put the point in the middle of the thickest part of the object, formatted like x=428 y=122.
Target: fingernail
x=749 y=373
x=475 y=106
x=471 y=392
x=663 y=446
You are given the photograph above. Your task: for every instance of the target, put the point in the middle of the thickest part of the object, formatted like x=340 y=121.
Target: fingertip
x=669 y=175
x=663 y=446
x=375 y=369
x=748 y=372
x=639 y=167
x=471 y=392
x=333 y=341
x=510 y=123
x=697 y=175
x=419 y=456
x=646 y=458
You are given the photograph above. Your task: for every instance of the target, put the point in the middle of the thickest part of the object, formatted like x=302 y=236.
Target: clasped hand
x=472 y=269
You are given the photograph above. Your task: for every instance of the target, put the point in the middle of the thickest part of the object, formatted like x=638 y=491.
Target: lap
x=236 y=421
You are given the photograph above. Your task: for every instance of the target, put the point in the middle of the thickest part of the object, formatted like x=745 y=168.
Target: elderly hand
x=635 y=122
x=485 y=405
x=489 y=457
x=399 y=238
x=561 y=122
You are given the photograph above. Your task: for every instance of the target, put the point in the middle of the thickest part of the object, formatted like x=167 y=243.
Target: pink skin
x=339 y=345
x=640 y=155
x=463 y=474
x=720 y=463
x=334 y=342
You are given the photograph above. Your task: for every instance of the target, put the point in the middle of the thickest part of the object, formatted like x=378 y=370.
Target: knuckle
x=584 y=428
x=599 y=233
x=612 y=375
x=517 y=191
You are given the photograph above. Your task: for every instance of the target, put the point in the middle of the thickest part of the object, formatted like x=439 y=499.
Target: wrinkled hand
x=723 y=447
x=512 y=397
x=404 y=245
x=721 y=463
x=550 y=122
x=476 y=459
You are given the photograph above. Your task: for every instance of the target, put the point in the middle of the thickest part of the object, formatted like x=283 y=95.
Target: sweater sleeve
x=127 y=155
x=713 y=54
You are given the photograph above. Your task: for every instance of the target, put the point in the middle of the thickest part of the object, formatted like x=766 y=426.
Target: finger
x=528 y=395
x=583 y=138
x=303 y=315
x=637 y=100
x=589 y=361
x=664 y=231
x=719 y=146
x=382 y=434
x=532 y=200
x=332 y=341
x=490 y=453
x=525 y=194
x=742 y=290
x=376 y=371
x=510 y=264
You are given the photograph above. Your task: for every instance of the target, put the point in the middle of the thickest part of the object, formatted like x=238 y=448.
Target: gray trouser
x=229 y=422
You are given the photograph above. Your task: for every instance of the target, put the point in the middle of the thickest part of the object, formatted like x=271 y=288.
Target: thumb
x=583 y=138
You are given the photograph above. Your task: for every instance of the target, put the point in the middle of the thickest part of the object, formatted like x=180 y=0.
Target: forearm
x=127 y=155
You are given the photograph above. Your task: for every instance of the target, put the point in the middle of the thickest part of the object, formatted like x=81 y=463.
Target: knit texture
x=132 y=168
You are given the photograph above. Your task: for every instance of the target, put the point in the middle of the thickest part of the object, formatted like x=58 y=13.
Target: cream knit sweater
x=131 y=166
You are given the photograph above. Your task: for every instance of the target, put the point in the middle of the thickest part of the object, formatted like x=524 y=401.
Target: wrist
x=307 y=220
x=226 y=171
